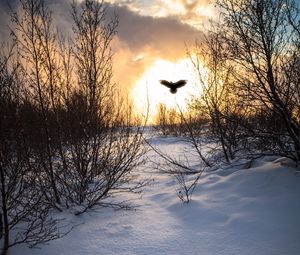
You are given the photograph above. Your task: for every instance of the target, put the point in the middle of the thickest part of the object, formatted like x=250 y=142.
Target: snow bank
x=234 y=210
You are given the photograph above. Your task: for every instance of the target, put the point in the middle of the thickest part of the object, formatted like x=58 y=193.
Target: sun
x=148 y=93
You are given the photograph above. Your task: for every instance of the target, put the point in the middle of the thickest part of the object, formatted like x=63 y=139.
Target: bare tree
x=261 y=39
x=104 y=147
x=66 y=136
x=217 y=99
x=36 y=44
x=24 y=213
x=93 y=35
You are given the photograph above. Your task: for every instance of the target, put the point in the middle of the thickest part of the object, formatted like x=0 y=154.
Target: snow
x=234 y=210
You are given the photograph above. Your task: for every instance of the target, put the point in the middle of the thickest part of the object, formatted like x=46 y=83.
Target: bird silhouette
x=173 y=86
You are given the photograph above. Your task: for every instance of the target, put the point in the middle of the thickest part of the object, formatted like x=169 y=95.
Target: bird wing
x=179 y=83
x=166 y=83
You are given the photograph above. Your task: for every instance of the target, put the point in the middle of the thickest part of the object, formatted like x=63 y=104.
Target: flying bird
x=173 y=86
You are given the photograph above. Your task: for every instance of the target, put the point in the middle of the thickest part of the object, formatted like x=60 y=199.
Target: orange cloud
x=141 y=40
x=148 y=30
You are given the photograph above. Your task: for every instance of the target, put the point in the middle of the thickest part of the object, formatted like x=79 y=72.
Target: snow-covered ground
x=234 y=210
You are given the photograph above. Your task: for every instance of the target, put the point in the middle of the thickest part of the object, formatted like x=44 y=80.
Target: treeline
x=66 y=136
x=249 y=72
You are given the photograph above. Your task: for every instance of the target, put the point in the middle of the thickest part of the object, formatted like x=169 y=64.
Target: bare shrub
x=169 y=121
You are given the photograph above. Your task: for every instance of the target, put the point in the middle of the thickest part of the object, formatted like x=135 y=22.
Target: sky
x=151 y=42
x=155 y=30
x=151 y=45
x=149 y=31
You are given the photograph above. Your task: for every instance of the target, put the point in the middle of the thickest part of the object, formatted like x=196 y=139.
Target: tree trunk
x=4 y=210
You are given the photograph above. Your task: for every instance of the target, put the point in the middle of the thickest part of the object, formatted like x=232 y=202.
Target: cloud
x=5 y=17
x=189 y=5
x=195 y=13
x=143 y=39
x=140 y=40
x=61 y=13
x=164 y=35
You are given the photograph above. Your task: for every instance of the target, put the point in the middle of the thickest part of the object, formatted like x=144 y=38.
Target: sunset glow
x=192 y=12
x=148 y=93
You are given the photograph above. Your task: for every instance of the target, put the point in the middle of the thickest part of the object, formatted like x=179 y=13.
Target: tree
x=103 y=146
x=217 y=99
x=36 y=44
x=23 y=209
x=261 y=39
x=66 y=136
x=169 y=121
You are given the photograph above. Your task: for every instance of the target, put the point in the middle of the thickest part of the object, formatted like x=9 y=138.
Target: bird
x=173 y=86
